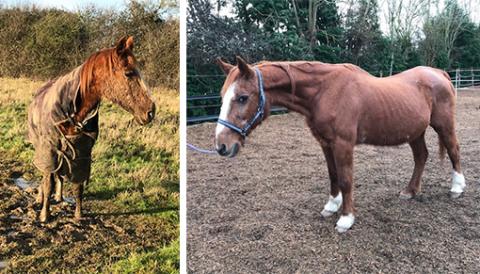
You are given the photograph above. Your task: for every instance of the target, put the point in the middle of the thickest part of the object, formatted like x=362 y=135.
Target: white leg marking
x=458 y=183
x=225 y=109
x=345 y=222
x=332 y=206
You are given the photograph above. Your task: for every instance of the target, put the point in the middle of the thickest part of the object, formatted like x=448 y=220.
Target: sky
x=473 y=6
x=71 y=5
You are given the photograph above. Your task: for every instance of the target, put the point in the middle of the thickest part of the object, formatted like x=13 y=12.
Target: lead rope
x=201 y=150
x=61 y=153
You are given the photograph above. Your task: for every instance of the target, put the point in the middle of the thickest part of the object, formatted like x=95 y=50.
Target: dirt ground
x=260 y=212
x=64 y=245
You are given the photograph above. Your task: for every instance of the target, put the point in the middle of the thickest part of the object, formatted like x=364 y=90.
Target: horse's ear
x=125 y=43
x=129 y=43
x=226 y=67
x=244 y=68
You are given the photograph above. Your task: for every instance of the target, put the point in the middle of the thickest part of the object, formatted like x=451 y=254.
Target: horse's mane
x=86 y=75
x=299 y=65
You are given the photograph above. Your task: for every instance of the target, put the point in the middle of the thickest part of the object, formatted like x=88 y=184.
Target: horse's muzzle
x=151 y=113
x=148 y=116
x=230 y=153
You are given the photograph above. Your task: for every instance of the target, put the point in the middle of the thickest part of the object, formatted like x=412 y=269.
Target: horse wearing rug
x=63 y=118
x=344 y=106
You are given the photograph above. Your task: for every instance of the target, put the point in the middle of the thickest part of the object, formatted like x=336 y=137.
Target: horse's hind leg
x=448 y=138
x=58 y=189
x=335 y=200
x=47 y=185
x=420 y=155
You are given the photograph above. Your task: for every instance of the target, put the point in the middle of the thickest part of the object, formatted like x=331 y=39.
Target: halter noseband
x=258 y=115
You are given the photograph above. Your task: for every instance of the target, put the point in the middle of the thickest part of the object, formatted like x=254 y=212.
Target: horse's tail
x=446 y=75
x=442 y=150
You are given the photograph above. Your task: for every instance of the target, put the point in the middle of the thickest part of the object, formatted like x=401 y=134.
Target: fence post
x=457 y=76
x=471 y=72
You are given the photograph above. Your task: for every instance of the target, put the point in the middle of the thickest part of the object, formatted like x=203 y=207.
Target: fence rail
x=205 y=108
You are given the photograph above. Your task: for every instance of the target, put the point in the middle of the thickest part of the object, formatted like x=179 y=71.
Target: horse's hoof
x=44 y=217
x=327 y=213
x=78 y=216
x=345 y=223
x=405 y=195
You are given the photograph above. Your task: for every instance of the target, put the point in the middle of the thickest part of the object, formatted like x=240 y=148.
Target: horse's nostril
x=222 y=150
x=150 y=115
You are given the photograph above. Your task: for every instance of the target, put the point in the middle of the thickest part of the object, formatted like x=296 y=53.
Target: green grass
x=134 y=182
x=163 y=260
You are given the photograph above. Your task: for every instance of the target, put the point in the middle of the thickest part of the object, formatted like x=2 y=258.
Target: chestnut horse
x=63 y=117
x=343 y=106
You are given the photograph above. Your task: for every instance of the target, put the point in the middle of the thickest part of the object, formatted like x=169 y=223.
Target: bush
x=57 y=43
x=44 y=43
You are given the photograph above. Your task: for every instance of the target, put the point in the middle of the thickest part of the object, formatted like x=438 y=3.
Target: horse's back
x=391 y=110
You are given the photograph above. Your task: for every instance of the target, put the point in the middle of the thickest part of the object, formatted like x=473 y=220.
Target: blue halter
x=258 y=115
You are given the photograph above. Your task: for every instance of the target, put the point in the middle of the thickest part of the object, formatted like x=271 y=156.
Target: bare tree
x=442 y=31
x=404 y=18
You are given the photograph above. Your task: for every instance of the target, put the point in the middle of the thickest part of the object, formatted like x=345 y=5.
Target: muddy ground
x=64 y=245
x=260 y=212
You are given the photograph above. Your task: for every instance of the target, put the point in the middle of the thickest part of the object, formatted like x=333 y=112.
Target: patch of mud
x=24 y=184
x=260 y=212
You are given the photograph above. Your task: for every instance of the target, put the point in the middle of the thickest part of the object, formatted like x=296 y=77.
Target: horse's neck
x=293 y=85
x=89 y=101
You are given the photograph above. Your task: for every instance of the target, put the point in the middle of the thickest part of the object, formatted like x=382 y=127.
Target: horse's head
x=241 y=106
x=122 y=83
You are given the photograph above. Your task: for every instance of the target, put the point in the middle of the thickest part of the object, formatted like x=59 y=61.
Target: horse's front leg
x=335 y=200
x=47 y=185
x=78 y=189
x=58 y=189
x=343 y=155
x=39 y=199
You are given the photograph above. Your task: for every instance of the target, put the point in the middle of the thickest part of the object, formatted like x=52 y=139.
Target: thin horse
x=63 y=117
x=344 y=106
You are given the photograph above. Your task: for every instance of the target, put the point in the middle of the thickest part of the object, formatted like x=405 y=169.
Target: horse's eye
x=242 y=99
x=130 y=73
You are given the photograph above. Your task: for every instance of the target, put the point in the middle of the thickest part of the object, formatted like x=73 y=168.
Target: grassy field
x=131 y=204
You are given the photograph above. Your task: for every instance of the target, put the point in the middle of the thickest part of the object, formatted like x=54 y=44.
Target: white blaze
x=225 y=109
x=144 y=86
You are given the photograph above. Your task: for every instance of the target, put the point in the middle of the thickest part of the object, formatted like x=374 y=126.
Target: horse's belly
x=392 y=130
